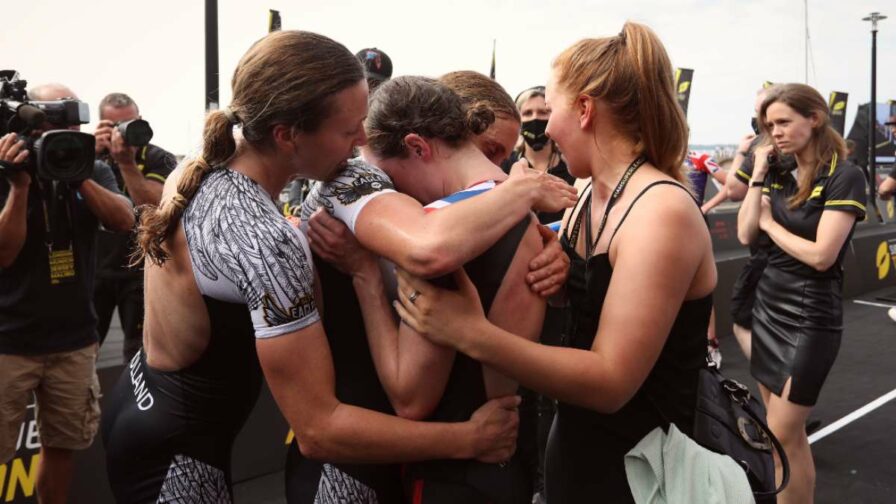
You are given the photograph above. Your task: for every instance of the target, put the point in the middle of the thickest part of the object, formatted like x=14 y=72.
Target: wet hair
x=286 y=78
x=474 y=88
x=632 y=74
x=424 y=106
x=825 y=142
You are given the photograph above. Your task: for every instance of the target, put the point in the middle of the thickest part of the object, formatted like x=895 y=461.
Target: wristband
x=757 y=183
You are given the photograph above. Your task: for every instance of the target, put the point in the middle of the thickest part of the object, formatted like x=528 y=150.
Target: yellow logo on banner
x=839 y=106
x=683 y=87
x=290 y=436
x=883 y=260
x=677 y=75
x=21 y=478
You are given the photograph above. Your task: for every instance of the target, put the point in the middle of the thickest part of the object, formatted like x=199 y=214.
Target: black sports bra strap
x=629 y=209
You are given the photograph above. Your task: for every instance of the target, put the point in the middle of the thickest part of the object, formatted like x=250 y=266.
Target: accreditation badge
x=62 y=266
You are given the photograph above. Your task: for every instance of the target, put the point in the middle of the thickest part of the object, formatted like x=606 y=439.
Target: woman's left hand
x=443 y=316
x=765 y=214
x=549 y=269
x=333 y=242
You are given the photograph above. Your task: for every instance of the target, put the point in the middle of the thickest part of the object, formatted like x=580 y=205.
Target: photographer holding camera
x=140 y=168
x=48 y=340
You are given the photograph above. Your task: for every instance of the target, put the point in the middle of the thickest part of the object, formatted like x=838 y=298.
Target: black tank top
x=586 y=449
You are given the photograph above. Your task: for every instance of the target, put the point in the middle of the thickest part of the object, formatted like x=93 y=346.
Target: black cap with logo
x=376 y=62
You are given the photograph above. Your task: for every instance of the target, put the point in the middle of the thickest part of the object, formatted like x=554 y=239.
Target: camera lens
x=64 y=155
x=136 y=133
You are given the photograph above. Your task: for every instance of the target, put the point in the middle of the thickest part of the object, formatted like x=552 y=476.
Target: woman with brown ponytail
x=230 y=295
x=620 y=374
x=809 y=210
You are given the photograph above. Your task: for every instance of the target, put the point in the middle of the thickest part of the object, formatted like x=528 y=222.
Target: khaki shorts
x=66 y=391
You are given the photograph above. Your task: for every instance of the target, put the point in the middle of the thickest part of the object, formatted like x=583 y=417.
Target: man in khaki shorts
x=48 y=340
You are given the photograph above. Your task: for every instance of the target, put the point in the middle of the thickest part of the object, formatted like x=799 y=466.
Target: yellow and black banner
x=274 y=21
x=683 y=78
x=837 y=107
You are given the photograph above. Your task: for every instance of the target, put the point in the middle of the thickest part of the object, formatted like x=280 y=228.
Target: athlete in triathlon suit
x=254 y=273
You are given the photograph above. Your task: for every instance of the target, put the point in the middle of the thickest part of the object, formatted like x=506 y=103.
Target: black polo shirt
x=839 y=187
x=37 y=315
x=114 y=249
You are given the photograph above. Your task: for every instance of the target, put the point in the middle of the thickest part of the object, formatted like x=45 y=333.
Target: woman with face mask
x=808 y=209
x=539 y=151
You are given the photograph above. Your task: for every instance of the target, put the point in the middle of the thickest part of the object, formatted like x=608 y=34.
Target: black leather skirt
x=797 y=325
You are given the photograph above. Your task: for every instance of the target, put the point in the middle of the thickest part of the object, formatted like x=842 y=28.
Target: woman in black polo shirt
x=809 y=211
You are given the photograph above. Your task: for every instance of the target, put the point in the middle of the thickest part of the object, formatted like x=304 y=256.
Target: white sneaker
x=892 y=313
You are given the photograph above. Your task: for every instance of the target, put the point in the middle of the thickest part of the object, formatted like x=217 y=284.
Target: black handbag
x=730 y=421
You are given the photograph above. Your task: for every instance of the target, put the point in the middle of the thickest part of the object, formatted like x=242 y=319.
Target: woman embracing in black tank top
x=641 y=277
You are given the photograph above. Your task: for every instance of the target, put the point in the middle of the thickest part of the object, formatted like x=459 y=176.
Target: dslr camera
x=57 y=154
x=136 y=132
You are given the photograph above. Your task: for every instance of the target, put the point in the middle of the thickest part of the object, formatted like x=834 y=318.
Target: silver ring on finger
x=413 y=297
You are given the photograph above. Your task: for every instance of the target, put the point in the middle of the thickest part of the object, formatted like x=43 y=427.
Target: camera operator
x=48 y=340
x=140 y=173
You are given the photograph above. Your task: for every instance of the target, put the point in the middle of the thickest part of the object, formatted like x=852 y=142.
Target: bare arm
x=887 y=188
x=14 y=215
x=432 y=244
x=734 y=181
x=13 y=223
x=299 y=370
x=627 y=344
x=748 y=215
x=113 y=210
x=142 y=190
x=821 y=254
x=413 y=371
x=716 y=200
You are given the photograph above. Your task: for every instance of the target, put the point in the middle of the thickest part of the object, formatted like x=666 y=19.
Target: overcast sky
x=154 y=50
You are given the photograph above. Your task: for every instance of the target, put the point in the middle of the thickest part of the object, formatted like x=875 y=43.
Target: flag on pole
x=683 y=78
x=274 y=21
x=837 y=108
x=492 y=71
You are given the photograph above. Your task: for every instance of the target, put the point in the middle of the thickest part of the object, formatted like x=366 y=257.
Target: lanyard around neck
x=592 y=245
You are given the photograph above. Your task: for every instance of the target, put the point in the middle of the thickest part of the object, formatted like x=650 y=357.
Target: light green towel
x=673 y=469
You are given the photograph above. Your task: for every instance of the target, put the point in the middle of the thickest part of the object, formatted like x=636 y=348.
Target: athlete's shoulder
x=346 y=194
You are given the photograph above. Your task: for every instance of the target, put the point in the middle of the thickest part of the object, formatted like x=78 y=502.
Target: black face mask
x=534 y=133
x=754 y=123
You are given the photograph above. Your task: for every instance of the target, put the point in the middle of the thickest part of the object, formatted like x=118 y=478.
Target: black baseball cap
x=376 y=62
